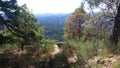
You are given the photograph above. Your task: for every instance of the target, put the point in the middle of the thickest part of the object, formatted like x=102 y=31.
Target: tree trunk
x=116 y=29
x=22 y=47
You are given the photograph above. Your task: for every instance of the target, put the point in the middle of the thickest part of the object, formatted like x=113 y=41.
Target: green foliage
x=73 y=26
x=82 y=42
x=49 y=41
x=110 y=9
x=20 y=27
x=114 y=48
x=54 y=24
x=8 y=47
x=117 y=66
x=40 y=55
x=89 y=49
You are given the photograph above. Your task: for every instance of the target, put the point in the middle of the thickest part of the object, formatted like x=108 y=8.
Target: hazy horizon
x=51 y=6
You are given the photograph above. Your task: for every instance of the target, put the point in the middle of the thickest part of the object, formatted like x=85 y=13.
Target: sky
x=51 y=6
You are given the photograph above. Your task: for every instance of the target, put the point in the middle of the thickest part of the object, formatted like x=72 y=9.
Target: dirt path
x=56 y=50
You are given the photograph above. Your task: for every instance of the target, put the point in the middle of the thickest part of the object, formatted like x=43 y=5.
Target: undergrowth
x=39 y=55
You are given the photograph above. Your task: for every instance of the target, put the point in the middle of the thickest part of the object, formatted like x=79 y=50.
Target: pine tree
x=73 y=26
x=20 y=22
x=111 y=8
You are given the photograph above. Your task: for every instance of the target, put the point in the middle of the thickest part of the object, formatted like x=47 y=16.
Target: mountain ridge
x=54 y=24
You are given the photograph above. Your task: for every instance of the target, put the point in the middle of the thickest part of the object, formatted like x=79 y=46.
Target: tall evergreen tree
x=20 y=22
x=111 y=8
x=73 y=26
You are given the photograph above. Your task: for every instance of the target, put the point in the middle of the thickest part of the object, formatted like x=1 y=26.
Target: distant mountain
x=52 y=18
x=54 y=24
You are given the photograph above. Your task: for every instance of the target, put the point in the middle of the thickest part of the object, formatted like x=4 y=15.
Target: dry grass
x=36 y=57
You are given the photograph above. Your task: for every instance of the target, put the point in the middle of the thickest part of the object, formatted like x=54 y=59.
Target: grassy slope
x=76 y=54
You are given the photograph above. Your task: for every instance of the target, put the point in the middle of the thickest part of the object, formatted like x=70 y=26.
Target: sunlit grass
x=41 y=53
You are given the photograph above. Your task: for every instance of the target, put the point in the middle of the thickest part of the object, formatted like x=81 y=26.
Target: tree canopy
x=19 y=21
x=73 y=27
x=110 y=8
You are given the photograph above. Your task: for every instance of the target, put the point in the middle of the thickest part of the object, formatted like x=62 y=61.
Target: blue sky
x=51 y=6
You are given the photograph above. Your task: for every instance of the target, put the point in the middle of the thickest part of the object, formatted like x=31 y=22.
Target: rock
x=60 y=44
x=56 y=50
x=73 y=59
x=110 y=55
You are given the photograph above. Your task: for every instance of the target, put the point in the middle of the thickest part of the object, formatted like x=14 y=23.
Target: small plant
x=8 y=47
x=117 y=66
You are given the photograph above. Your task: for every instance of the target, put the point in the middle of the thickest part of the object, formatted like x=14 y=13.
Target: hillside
x=54 y=24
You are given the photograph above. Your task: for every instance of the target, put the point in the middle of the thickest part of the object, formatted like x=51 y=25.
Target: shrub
x=8 y=47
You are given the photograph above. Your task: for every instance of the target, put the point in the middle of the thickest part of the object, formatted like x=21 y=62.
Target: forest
x=54 y=25
x=80 y=39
